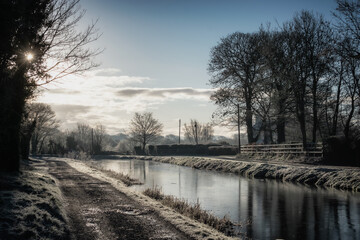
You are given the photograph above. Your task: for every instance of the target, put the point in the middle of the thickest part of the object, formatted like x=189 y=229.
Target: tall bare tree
x=348 y=26
x=235 y=63
x=144 y=128
x=307 y=39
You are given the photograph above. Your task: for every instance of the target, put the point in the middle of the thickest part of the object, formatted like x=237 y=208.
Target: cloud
x=63 y=91
x=166 y=93
x=107 y=97
x=107 y=72
x=69 y=111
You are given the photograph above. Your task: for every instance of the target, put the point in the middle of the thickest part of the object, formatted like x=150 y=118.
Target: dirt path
x=96 y=210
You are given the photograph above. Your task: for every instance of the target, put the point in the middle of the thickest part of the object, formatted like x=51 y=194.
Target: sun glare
x=29 y=56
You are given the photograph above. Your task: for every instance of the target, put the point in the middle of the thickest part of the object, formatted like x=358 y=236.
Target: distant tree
x=71 y=142
x=38 y=123
x=197 y=132
x=83 y=137
x=98 y=138
x=144 y=128
x=40 y=42
x=169 y=139
x=46 y=125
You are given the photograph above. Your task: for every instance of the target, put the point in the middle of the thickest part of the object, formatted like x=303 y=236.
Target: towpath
x=96 y=210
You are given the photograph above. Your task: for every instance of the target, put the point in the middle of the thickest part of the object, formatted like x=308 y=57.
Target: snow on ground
x=325 y=176
x=190 y=227
x=30 y=205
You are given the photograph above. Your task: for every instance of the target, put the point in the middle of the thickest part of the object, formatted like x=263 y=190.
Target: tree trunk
x=12 y=101
x=9 y=147
x=249 y=126
x=280 y=126
x=301 y=118
x=336 y=111
x=144 y=145
x=315 y=117
x=25 y=146
x=238 y=128
x=34 y=143
x=348 y=120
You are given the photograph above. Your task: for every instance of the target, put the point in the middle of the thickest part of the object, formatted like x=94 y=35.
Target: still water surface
x=267 y=209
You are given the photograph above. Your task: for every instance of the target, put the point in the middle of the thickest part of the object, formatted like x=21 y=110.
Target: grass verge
x=31 y=205
x=223 y=225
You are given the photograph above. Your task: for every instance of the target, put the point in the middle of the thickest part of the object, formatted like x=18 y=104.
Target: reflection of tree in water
x=279 y=210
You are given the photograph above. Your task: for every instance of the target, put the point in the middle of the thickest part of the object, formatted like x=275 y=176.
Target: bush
x=138 y=150
x=341 y=151
x=222 y=150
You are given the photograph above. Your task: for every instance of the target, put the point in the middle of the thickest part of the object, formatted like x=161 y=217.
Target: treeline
x=40 y=134
x=299 y=81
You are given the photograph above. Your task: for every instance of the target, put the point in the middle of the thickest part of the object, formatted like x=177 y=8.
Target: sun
x=29 y=56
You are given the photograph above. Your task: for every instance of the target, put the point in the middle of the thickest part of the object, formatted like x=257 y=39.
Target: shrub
x=340 y=151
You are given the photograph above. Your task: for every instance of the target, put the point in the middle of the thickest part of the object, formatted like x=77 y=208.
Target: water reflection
x=275 y=209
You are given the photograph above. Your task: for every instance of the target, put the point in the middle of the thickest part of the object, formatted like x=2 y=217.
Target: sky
x=155 y=59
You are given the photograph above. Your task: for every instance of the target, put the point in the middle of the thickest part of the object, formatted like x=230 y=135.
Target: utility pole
x=179 y=129
x=238 y=125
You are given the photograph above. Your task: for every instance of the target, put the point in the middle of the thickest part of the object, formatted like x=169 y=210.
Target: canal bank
x=344 y=178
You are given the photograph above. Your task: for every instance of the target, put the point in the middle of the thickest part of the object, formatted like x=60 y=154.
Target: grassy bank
x=324 y=176
x=195 y=212
x=30 y=205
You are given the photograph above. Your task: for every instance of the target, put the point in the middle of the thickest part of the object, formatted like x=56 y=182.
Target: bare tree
x=276 y=84
x=98 y=138
x=144 y=128
x=197 y=132
x=235 y=63
x=38 y=123
x=207 y=133
x=46 y=125
x=83 y=137
x=348 y=26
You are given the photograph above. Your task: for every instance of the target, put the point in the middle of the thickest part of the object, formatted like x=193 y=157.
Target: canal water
x=266 y=209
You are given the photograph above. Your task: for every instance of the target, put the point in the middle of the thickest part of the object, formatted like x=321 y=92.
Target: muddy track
x=96 y=210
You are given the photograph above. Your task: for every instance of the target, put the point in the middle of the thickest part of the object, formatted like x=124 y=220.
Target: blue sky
x=160 y=47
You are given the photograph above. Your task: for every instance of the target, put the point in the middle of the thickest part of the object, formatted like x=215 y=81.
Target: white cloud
x=107 y=97
x=166 y=93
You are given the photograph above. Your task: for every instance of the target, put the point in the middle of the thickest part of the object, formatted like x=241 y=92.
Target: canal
x=266 y=209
